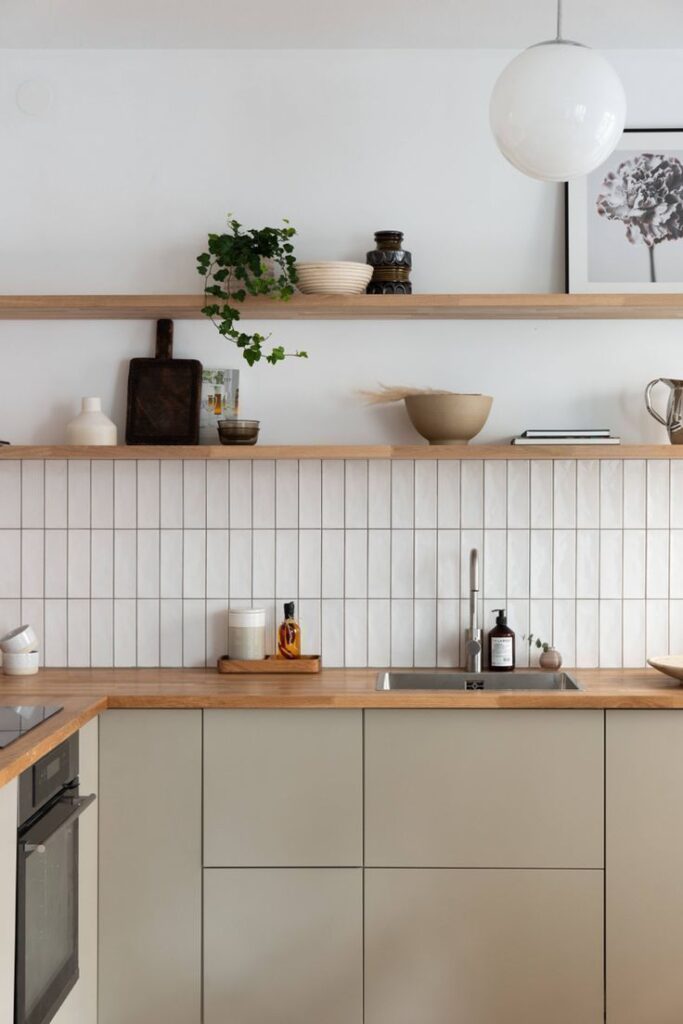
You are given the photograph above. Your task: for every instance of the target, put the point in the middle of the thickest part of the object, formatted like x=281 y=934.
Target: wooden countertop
x=85 y=693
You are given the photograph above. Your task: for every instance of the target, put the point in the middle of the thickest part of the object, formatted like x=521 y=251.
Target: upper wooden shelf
x=351 y=307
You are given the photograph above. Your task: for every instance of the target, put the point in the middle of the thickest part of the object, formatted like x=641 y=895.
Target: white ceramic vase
x=91 y=426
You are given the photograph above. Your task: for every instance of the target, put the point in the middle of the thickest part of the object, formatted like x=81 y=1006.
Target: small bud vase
x=91 y=426
x=550 y=660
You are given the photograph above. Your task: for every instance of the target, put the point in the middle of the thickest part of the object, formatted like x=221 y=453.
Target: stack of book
x=596 y=436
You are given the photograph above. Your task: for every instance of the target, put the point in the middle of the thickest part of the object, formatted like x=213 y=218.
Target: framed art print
x=625 y=219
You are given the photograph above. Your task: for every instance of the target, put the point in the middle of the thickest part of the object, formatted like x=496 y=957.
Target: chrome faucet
x=473 y=645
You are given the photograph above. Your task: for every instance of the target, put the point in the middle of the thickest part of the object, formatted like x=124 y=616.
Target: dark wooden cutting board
x=164 y=395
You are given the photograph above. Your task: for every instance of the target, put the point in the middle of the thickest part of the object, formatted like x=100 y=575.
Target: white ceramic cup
x=25 y=663
x=19 y=641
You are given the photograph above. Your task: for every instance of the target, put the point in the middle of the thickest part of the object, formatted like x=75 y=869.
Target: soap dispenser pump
x=501 y=644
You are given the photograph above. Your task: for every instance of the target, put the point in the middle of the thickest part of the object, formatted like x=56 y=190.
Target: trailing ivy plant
x=248 y=262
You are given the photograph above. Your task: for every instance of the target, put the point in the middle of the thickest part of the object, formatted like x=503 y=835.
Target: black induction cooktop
x=17 y=721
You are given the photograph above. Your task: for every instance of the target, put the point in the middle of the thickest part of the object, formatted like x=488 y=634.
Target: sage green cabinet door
x=150 y=867
x=483 y=947
x=470 y=788
x=283 y=946
x=283 y=788
x=644 y=867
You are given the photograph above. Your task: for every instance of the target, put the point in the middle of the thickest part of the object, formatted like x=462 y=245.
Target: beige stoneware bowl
x=448 y=419
x=333 y=278
x=670 y=665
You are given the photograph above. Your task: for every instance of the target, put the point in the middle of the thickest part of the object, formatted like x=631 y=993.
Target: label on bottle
x=501 y=652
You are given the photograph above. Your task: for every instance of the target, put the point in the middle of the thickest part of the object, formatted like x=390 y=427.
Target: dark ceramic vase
x=391 y=265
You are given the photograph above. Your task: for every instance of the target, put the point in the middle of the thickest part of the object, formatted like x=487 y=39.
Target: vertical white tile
x=564 y=494
x=425 y=634
x=540 y=625
x=78 y=502
x=564 y=629
x=274 y=615
x=541 y=488
x=448 y=498
x=287 y=564
x=310 y=494
x=425 y=564
x=518 y=564
x=611 y=494
x=102 y=563
x=355 y=633
x=657 y=628
x=448 y=563
x=55 y=633
x=541 y=563
x=310 y=563
x=218 y=495
x=588 y=563
x=263 y=567
x=676 y=497
x=356 y=564
x=611 y=563
x=518 y=620
x=171 y=563
x=402 y=494
x=33 y=612
x=241 y=495
x=332 y=494
x=148 y=633
x=634 y=494
x=425 y=494
x=194 y=495
x=495 y=493
x=78 y=563
x=78 y=633
x=657 y=583
x=263 y=489
x=587 y=494
x=587 y=634
x=125 y=563
x=332 y=632
x=470 y=540
x=102 y=497
x=287 y=494
x=194 y=563
x=125 y=633
x=32 y=563
x=634 y=564
x=379 y=493
x=356 y=494
x=402 y=563
x=658 y=494
x=495 y=563
x=332 y=563
x=55 y=563
x=518 y=494
x=10 y=563
x=379 y=634
x=170 y=633
x=675 y=627
x=676 y=564
x=240 y=563
x=148 y=564
x=55 y=494
x=125 y=494
x=379 y=563
x=217 y=562
x=472 y=494
x=10 y=616
x=610 y=634
x=149 y=494
x=33 y=494
x=10 y=494
x=309 y=620
x=102 y=633
x=448 y=633
x=171 y=491
x=634 y=634
x=402 y=627
x=194 y=634
x=216 y=630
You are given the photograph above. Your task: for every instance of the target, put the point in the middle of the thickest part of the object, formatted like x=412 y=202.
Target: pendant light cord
x=558 y=37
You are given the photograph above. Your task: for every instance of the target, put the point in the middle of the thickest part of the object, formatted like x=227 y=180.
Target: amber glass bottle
x=289 y=635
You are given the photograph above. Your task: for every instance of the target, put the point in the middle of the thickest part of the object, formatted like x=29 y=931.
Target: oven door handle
x=35 y=839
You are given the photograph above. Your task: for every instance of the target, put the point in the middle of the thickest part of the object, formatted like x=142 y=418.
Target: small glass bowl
x=233 y=431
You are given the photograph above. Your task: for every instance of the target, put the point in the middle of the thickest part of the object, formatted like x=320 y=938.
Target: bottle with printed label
x=501 y=644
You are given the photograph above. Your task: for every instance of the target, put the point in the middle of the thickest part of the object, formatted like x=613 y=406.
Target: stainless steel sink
x=430 y=680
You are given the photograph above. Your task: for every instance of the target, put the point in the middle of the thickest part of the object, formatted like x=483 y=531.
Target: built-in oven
x=47 y=884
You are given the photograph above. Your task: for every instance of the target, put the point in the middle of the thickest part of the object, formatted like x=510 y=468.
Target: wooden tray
x=287 y=666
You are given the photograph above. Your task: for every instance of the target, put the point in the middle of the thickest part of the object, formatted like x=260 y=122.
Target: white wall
x=141 y=153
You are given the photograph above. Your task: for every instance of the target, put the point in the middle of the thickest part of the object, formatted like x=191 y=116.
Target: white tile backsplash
x=125 y=494
x=32 y=494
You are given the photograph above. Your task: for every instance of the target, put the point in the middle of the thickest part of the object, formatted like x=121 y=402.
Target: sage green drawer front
x=283 y=788
x=508 y=788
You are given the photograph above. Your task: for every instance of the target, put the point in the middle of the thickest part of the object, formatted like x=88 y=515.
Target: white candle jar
x=247 y=634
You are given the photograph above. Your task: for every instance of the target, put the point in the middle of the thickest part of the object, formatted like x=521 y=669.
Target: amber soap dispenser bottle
x=501 y=644
x=289 y=635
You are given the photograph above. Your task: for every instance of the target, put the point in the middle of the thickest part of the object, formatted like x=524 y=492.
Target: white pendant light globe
x=558 y=110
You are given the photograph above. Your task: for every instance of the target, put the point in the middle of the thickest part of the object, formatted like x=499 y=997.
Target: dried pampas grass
x=386 y=394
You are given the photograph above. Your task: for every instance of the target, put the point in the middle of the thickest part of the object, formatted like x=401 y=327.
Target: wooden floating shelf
x=213 y=453
x=351 y=307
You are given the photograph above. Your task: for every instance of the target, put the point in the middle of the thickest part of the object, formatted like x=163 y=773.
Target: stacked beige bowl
x=333 y=278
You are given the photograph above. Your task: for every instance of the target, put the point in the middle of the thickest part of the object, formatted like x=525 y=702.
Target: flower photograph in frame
x=625 y=219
